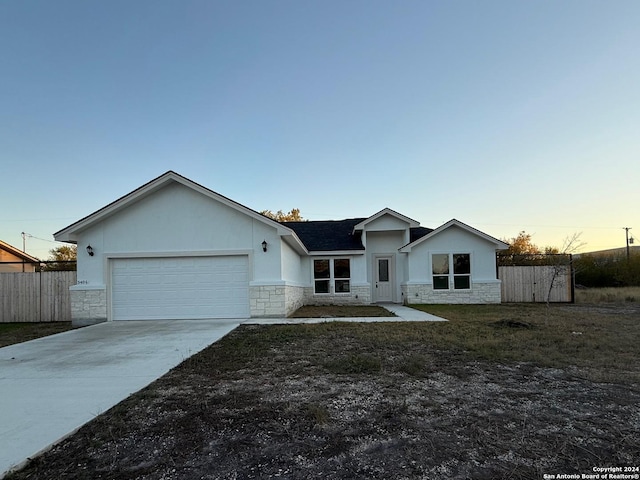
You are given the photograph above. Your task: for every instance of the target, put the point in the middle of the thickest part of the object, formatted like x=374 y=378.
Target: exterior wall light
x=90 y=250
x=264 y=245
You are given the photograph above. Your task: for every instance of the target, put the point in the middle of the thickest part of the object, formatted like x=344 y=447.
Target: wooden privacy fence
x=531 y=283
x=36 y=297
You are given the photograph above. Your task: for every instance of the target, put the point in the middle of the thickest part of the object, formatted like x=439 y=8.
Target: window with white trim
x=331 y=275
x=451 y=269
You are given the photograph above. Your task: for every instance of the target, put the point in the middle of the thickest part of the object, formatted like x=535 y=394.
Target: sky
x=508 y=116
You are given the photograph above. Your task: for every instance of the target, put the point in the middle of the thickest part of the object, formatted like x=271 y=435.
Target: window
x=449 y=269
x=461 y=271
x=321 y=276
x=332 y=275
x=383 y=269
x=440 y=266
x=342 y=274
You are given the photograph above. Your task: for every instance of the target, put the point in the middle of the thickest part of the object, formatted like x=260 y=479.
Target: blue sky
x=506 y=115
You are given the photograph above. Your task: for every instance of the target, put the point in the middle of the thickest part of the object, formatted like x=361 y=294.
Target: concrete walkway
x=403 y=314
x=51 y=386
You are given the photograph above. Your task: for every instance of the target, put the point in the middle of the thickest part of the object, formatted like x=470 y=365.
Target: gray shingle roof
x=328 y=235
x=337 y=235
x=419 y=232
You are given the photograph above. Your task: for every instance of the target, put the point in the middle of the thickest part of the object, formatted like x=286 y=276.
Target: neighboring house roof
x=500 y=245
x=329 y=235
x=68 y=234
x=18 y=253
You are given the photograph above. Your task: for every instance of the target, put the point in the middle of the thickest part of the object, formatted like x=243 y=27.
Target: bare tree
x=560 y=264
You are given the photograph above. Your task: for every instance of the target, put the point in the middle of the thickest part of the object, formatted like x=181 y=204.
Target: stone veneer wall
x=283 y=300
x=294 y=298
x=267 y=301
x=479 y=293
x=88 y=307
x=360 y=295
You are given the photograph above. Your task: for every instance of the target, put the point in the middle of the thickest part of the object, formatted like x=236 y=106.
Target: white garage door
x=179 y=288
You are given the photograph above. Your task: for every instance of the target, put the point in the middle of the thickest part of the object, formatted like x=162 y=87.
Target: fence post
x=572 y=273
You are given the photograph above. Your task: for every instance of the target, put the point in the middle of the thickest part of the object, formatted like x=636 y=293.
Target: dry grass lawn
x=11 y=333
x=498 y=392
x=608 y=295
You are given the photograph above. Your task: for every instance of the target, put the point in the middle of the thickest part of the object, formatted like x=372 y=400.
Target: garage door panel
x=180 y=288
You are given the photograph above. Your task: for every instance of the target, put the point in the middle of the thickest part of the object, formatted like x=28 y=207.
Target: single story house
x=173 y=249
x=15 y=260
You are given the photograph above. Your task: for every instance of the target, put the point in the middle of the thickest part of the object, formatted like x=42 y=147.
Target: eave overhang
x=499 y=245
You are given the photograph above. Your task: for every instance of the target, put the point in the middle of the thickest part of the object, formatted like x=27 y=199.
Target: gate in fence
x=537 y=278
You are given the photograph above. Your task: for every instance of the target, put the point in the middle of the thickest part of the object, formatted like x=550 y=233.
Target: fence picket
x=531 y=283
x=36 y=296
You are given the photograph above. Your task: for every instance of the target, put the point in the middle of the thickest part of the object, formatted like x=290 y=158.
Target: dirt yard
x=380 y=401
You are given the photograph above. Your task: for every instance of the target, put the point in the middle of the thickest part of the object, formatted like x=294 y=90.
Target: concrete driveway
x=51 y=386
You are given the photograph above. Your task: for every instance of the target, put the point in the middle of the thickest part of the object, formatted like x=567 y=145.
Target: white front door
x=383 y=288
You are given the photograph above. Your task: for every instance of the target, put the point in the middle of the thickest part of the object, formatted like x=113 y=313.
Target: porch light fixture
x=264 y=245
x=90 y=250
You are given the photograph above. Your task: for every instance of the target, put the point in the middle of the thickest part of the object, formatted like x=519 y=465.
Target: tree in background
x=64 y=253
x=521 y=245
x=280 y=216
x=608 y=270
x=523 y=251
x=62 y=258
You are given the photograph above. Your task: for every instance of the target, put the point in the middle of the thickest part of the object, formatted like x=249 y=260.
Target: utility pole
x=626 y=229
x=24 y=247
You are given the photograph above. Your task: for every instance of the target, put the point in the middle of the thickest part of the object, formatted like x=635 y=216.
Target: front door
x=383 y=289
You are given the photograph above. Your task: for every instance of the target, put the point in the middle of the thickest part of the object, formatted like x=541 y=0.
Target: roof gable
x=68 y=234
x=499 y=245
x=386 y=211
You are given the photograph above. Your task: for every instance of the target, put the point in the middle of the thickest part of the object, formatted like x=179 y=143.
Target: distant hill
x=633 y=249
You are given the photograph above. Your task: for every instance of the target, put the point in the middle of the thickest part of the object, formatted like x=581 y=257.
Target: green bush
x=608 y=270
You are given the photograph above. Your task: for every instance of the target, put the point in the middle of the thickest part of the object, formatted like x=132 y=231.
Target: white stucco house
x=173 y=249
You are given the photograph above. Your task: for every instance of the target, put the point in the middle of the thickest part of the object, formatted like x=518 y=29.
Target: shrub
x=608 y=270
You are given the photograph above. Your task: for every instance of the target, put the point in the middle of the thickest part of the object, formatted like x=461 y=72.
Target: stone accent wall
x=480 y=293
x=283 y=300
x=363 y=294
x=294 y=298
x=88 y=307
x=360 y=295
x=267 y=301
